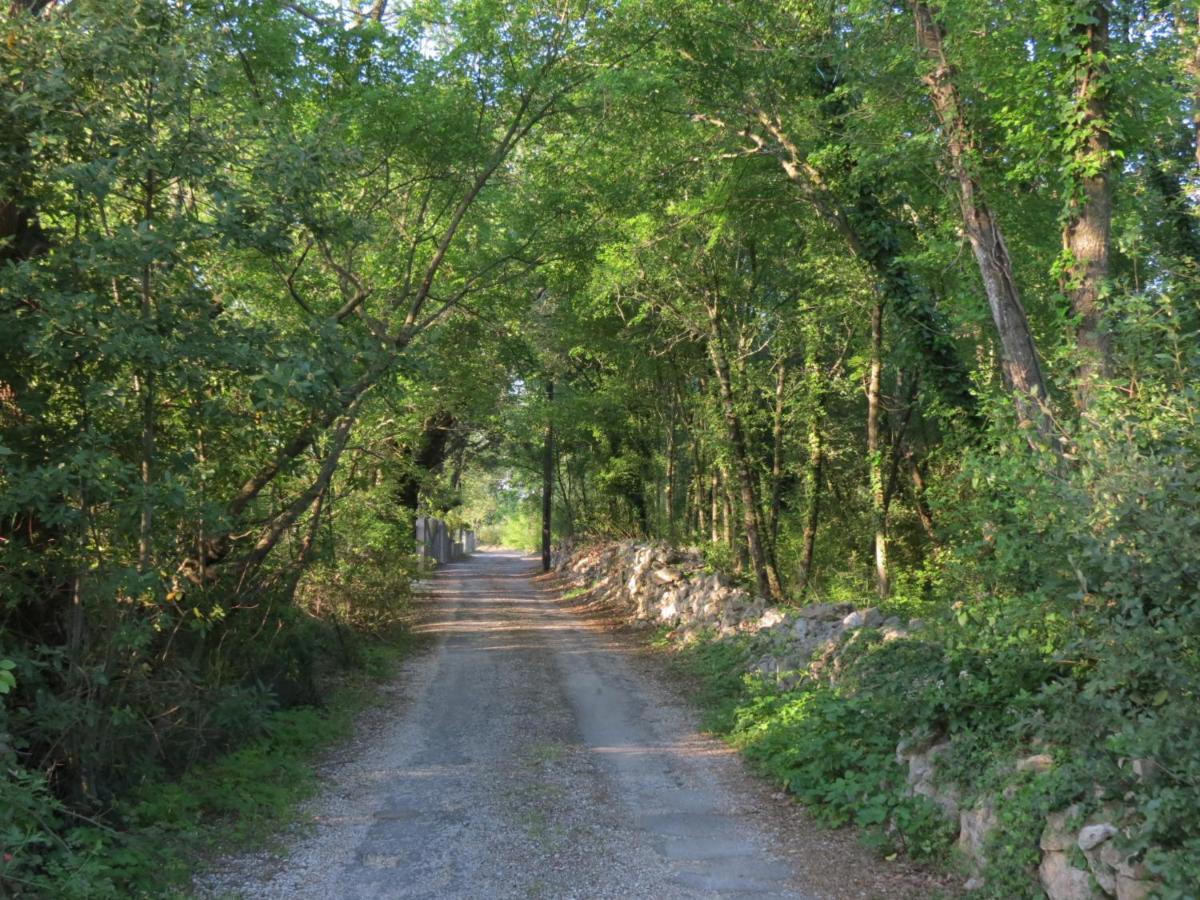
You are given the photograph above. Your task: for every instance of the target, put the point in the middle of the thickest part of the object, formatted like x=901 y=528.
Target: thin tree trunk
x=144 y=386
x=220 y=546
x=547 y=481
x=766 y=576
x=875 y=237
x=146 y=463
x=306 y=545
x=875 y=451
x=1019 y=357
x=564 y=492
x=1086 y=234
x=270 y=536
x=923 y=512
x=715 y=501
x=671 y=479
x=729 y=524
x=812 y=490
x=777 y=458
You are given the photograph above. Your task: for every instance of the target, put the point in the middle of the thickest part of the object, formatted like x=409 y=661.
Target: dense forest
x=890 y=303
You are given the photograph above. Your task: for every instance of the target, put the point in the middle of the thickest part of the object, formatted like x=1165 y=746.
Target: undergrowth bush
x=146 y=843
x=1068 y=625
x=155 y=783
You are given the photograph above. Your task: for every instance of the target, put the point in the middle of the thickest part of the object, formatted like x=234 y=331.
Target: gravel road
x=530 y=754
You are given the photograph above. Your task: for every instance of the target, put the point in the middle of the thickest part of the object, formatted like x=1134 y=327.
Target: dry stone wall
x=660 y=585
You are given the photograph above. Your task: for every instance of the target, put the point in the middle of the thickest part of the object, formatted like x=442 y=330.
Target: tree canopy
x=865 y=300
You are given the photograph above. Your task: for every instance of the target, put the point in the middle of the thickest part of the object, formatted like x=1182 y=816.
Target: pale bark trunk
x=729 y=523
x=875 y=452
x=1086 y=234
x=1019 y=357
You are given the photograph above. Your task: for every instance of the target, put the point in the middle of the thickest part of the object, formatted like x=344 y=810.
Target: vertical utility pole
x=547 y=478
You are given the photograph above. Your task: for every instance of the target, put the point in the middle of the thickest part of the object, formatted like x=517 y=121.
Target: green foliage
x=1095 y=664
x=161 y=830
x=273 y=280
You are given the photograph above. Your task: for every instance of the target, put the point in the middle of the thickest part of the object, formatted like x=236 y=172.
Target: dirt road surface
x=530 y=754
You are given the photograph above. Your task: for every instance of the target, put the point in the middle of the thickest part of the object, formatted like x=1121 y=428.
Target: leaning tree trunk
x=279 y=525
x=1019 y=356
x=874 y=236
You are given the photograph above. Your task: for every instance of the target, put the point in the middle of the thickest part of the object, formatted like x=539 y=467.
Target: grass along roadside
x=820 y=746
x=240 y=800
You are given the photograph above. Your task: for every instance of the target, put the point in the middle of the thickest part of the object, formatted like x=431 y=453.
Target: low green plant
x=151 y=839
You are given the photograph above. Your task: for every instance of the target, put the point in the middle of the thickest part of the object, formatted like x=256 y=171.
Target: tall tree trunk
x=547 y=480
x=714 y=497
x=776 y=504
x=735 y=537
x=766 y=576
x=1019 y=357
x=1089 y=207
x=728 y=527
x=671 y=479
x=146 y=462
x=812 y=490
x=875 y=451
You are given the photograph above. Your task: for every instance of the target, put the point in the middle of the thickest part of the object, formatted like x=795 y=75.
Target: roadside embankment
x=937 y=748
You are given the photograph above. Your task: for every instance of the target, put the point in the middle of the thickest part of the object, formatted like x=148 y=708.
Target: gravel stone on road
x=529 y=753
